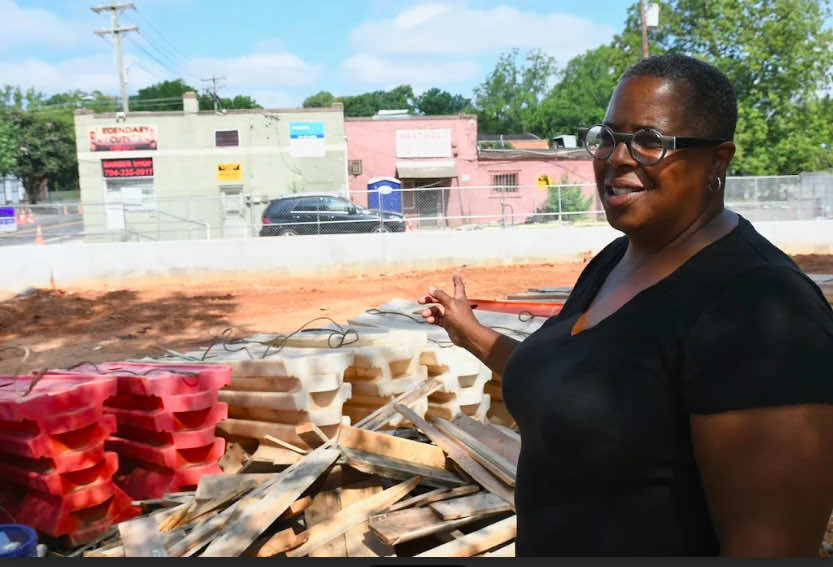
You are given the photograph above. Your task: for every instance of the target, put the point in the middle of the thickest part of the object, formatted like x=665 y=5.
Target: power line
x=165 y=65
x=116 y=31
x=168 y=44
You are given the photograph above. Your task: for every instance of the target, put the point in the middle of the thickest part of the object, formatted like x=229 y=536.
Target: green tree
x=39 y=148
x=321 y=99
x=368 y=104
x=778 y=55
x=506 y=102
x=566 y=198
x=582 y=93
x=166 y=95
x=436 y=101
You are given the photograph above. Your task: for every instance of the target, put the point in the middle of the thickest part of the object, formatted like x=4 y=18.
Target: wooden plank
x=361 y=541
x=381 y=416
x=463 y=459
x=399 y=469
x=507 y=550
x=213 y=485
x=352 y=516
x=275 y=455
x=285 y=445
x=281 y=542
x=390 y=446
x=233 y=459
x=257 y=514
x=259 y=430
x=311 y=434
x=297 y=508
x=325 y=505
x=414 y=523
x=473 y=505
x=496 y=464
x=141 y=538
x=476 y=542
x=504 y=444
x=435 y=496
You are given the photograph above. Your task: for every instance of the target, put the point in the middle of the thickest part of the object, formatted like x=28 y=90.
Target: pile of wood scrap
x=443 y=488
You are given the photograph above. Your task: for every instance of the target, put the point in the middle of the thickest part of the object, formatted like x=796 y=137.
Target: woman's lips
x=619 y=194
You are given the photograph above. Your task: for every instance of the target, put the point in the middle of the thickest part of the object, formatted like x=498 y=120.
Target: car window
x=276 y=208
x=336 y=205
x=307 y=204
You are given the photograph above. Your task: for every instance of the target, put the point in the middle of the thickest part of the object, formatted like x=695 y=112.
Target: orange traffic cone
x=21 y=217
x=38 y=236
x=31 y=217
x=80 y=210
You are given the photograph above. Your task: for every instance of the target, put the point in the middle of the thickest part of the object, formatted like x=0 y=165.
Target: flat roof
x=112 y=115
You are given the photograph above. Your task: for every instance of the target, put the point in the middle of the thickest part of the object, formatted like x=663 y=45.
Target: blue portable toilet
x=384 y=193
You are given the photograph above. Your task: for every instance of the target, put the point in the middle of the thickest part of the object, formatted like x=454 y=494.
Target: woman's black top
x=606 y=464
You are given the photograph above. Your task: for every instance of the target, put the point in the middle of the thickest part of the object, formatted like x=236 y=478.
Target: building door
x=426 y=199
x=127 y=195
x=234 y=212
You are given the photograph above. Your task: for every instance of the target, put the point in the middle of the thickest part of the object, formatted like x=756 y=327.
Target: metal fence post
x=559 y=204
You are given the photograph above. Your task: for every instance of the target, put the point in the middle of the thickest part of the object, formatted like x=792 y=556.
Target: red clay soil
x=62 y=327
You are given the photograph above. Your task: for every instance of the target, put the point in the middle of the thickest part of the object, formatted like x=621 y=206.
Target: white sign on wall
x=423 y=143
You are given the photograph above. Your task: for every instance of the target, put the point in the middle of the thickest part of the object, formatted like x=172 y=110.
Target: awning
x=426 y=169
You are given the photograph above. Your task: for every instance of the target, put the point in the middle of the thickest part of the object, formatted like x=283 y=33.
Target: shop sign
x=132 y=167
x=122 y=137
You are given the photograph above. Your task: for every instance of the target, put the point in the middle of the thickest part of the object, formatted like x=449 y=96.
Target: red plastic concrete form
x=144 y=481
x=152 y=379
x=166 y=416
x=58 y=476
x=101 y=503
x=537 y=308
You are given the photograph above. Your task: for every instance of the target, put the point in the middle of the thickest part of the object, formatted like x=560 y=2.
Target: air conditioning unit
x=355 y=167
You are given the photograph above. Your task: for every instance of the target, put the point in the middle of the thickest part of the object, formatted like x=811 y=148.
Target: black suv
x=325 y=214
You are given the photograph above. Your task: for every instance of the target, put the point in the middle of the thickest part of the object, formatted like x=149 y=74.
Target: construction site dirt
x=131 y=319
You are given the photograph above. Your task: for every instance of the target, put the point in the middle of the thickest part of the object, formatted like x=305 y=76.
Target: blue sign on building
x=306 y=139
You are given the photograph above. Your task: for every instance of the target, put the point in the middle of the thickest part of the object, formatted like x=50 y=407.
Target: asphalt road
x=55 y=228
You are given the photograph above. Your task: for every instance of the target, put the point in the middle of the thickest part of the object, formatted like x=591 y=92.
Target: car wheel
x=288 y=232
x=380 y=228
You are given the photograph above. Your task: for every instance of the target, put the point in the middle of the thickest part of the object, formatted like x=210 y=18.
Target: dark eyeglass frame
x=668 y=142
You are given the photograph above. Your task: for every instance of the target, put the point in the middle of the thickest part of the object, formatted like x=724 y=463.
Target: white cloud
x=97 y=72
x=258 y=70
x=442 y=29
x=418 y=72
x=34 y=26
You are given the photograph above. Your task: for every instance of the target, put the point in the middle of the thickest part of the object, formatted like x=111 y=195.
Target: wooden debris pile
x=441 y=488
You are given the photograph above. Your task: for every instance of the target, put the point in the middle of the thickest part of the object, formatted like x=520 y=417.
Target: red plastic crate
x=72 y=513
x=29 y=441
x=144 y=481
x=164 y=420
x=168 y=455
x=53 y=398
x=25 y=472
x=161 y=379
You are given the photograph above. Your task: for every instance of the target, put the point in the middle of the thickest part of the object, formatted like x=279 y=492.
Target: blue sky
x=280 y=51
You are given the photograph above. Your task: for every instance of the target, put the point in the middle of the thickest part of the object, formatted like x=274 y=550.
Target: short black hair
x=711 y=99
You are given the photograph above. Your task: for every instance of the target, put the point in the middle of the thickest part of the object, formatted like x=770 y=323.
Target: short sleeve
x=767 y=340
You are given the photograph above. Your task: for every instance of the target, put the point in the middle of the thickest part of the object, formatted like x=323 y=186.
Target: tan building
x=184 y=174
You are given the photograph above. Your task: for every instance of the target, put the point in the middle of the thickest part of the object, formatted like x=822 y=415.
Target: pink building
x=481 y=186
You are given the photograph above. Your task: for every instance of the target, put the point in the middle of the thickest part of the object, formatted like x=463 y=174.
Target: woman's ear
x=722 y=156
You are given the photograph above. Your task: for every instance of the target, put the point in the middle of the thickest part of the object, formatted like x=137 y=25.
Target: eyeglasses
x=647 y=146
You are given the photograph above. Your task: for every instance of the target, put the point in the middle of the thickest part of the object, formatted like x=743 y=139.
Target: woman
x=681 y=403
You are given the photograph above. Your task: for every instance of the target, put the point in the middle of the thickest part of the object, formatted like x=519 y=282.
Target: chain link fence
x=801 y=197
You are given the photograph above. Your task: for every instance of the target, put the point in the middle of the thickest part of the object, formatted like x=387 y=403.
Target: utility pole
x=643 y=18
x=213 y=80
x=116 y=31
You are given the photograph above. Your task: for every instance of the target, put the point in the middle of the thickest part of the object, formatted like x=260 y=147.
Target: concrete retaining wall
x=67 y=264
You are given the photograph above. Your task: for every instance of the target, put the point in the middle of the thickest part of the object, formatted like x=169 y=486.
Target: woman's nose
x=621 y=155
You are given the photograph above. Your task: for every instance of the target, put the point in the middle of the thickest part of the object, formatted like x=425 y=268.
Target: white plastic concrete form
x=326 y=255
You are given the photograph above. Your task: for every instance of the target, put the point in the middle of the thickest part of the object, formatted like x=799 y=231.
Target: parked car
x=325 y=214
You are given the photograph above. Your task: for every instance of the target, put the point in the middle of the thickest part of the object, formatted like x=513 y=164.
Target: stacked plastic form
x=273 y=391
x=57 y=476
x=165 y=417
